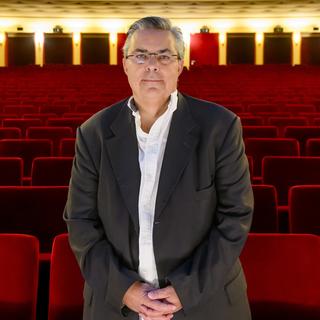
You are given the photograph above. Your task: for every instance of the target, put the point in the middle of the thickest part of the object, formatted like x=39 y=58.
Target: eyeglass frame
x=149 y=54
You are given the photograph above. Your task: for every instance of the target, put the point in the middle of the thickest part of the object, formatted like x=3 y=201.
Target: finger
x=159 y=293
x=151 y=312
x=163 y=307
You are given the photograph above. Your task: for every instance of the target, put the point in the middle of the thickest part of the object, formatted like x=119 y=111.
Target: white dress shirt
x=151 y=150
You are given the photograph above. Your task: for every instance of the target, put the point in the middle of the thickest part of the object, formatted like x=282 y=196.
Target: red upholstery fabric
x=23 y=124
x=283 y=277
x=42 y=116
x=265 y=209
x=282 y=122
x=285 y=172
x=26 y=149
x=261 y=147
x=74 y=123
x=10 y=133
x=20 y=110
x=67 y=147
x=295 y=108
x=51 y=171
x=250 y=161
x=58 y=110
x=33 y=210
x=302 y=134
x=19 y=267
x=260 y=132
x=254 y=108
x=55 y=134
x=11 y=171
x=66 y=282
x=304 y=209
x=313 y=147
x=251 y=121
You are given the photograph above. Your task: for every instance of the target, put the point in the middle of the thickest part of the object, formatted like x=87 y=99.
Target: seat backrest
x=285 y=172
x=260 y=132
x=66 y=282
x=67 y=147
x=19 y=270
x=302 y=134
x=73 y=123
x=11 y=171
x=33 y=210
x=10 y=133
x=304 y=209
x=27 y=149
x=282 y=272
x=55 y=134
x=51 y=171
x=265 y=218
x=261 y=147
x=23 y=124
x=313 y=147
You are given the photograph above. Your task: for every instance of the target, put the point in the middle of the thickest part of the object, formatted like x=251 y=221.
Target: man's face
x=152 y=80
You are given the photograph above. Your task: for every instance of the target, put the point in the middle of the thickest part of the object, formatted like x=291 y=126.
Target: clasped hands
x=151 y=303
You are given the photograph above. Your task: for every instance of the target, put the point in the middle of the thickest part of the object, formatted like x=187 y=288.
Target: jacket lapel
x=123 y=153
x=182 y=140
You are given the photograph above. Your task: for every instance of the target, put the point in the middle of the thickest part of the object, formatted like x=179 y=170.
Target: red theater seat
x=11 y=171
x=19 y=269
x=66 y=282
x=10 y=133
x=265 y=209
x=258 y=148
x=313 y=147
x=295 y=108
x=51 y=171
x=33 y=210
x=254 y=108
x=67 y=147
x=55 y=134
x=23 y=124
x=74 y=123
x=302 y=134
x=285 y=172
x=252 y=121
x=57 y=110
x=304 y=209
x=20 y=109
x=282 y=122
x=282 y=272
x=260 y=132
x=42 y=116
x=26 y=149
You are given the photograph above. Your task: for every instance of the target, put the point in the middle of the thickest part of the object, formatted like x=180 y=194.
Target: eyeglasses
x=142 y=58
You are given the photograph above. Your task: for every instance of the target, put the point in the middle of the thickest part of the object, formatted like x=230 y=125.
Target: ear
x=124 y=64
x=180 y=66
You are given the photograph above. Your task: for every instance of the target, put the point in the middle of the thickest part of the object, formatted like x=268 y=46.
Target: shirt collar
x=171 y=105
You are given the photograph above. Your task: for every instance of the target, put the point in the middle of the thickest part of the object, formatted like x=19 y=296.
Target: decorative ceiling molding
x=199 y=9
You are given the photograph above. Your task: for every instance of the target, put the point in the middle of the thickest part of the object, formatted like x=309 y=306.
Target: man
x=160 y=201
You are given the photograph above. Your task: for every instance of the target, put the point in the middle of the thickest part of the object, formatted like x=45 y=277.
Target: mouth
x=151 y=80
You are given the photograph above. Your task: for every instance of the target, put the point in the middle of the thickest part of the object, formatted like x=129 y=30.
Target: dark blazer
x=202 y=216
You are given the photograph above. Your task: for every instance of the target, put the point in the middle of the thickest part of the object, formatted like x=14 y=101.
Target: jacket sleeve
x=200 y=275
x=99 y=264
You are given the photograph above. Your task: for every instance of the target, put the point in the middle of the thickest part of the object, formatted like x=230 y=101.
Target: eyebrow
x=159 y=51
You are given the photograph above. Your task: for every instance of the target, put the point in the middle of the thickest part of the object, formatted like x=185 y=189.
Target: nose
x=152 y=63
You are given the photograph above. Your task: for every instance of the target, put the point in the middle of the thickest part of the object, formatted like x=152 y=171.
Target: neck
x=151 y=109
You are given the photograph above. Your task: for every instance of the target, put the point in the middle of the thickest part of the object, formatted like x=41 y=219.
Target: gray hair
x=157 y=23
